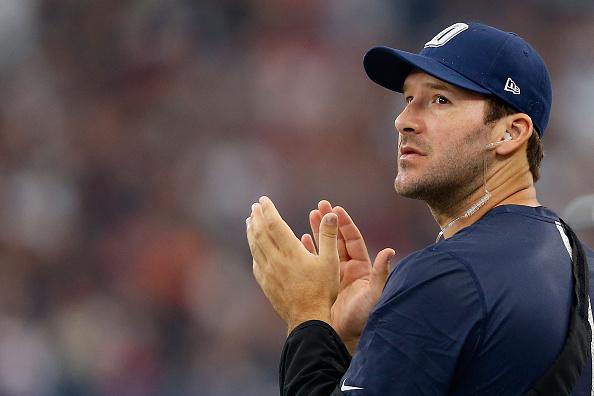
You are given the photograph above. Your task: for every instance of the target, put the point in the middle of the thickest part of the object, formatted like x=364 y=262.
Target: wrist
x=297 y=319
x=351 y=344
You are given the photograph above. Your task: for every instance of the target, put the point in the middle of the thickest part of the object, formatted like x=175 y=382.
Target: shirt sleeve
x=313 y=360
x=429 y=314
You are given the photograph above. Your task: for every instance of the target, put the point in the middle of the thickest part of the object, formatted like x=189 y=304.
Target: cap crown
x=476 y=57
x=501 y=62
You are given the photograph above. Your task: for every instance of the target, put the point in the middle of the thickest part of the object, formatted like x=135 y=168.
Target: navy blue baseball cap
x=476 y=57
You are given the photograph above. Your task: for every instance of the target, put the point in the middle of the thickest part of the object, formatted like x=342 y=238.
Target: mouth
x=408 y=152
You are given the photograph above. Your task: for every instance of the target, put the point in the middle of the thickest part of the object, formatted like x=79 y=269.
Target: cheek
x=452 y=153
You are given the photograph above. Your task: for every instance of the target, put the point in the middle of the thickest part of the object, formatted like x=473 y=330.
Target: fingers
x=259 y=258
x=328 y=237
x=259 y=230
x=353 y=240
x=347 y=225
x=315 y=218
x=324 y=206
x=308 y=242
x=257 y=271
x=380 y=270
x=278 y=231
x=257 y=253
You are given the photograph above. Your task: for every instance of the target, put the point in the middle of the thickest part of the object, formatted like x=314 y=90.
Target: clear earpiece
x=506 y=138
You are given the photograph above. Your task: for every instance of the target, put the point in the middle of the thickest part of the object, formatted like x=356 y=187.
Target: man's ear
x=520 y=127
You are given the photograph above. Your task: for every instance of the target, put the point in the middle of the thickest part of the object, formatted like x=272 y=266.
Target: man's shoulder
x=447 y=253
x=427 y=260
x=431 y=270
x=501 y=222
x=504 y=230
x=509 y=240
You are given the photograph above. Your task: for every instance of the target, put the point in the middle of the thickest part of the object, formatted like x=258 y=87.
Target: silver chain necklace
x=474 y=208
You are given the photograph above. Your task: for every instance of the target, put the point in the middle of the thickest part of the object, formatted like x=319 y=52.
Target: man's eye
x=441 y=100
x=408 y=99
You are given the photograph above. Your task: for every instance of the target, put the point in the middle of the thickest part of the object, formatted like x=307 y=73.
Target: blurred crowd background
x=135 y=134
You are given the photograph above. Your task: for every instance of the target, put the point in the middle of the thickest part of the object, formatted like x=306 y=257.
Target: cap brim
x=389 y=67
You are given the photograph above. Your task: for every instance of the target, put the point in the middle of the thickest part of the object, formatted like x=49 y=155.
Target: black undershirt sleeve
x=313 y=361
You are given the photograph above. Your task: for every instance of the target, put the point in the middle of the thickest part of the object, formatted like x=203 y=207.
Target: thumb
x=328 y=236
x=380 y=270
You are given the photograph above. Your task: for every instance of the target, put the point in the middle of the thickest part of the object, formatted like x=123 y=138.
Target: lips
x=409 y=150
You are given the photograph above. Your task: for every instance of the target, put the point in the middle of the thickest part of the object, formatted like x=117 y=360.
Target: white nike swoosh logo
x=344 y=387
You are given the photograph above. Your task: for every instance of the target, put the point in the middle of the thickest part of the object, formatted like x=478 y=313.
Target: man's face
x=442 y=138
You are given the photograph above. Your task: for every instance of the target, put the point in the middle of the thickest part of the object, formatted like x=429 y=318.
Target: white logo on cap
x=446 y=35
x=511 y=86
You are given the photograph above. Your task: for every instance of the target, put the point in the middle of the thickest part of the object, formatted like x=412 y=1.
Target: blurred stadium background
x=135 y=134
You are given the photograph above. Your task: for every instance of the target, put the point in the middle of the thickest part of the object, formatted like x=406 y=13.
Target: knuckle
x=328 y=234
x=256 y=271
x=258 y=233
x=288 y=254
x=252 y=246
x=273 y=226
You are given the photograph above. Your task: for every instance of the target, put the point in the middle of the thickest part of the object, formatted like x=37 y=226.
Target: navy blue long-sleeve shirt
x=483 y=312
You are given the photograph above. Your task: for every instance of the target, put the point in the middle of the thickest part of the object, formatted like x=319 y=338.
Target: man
x=493 y=308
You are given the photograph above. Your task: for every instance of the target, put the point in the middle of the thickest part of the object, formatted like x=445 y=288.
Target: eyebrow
x=433 y=85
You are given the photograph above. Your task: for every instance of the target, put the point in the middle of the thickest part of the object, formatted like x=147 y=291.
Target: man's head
x=444 y=136
x=478 y=58
x=470 y=85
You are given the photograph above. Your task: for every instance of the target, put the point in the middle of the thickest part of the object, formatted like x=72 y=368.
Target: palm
x=355 y=298
x=360 y=283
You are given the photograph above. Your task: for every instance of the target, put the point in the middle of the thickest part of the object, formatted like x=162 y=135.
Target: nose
x=408 y=121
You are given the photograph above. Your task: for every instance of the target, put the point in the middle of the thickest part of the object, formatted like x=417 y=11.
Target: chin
x=405 y=188
x=414 y=188
x=408 y=193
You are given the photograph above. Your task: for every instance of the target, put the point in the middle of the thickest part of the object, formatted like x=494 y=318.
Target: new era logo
x=511 y=86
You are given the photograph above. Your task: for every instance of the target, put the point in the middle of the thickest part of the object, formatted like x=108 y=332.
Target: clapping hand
x=299 y=284
x=361 y=283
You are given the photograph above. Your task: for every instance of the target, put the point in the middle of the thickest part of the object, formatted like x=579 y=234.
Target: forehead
x=419 y=79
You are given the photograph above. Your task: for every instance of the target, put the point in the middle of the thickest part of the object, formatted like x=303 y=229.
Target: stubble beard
x=446 y=183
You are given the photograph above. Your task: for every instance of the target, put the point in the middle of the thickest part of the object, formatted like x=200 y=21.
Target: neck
x=507 y=186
